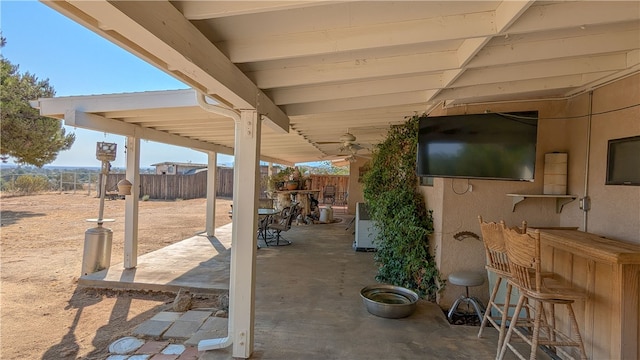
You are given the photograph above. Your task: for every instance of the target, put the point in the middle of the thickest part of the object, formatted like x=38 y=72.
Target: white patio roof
x=322 y=68
x=171 y=117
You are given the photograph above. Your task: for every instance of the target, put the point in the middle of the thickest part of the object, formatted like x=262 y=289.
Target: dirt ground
x=43 y=314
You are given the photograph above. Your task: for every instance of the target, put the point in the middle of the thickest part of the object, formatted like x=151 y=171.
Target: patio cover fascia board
x=118 y=102
x=164 y=43
x=80 y=112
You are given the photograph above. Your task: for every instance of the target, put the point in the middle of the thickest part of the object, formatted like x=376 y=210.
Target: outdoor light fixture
x=106 y=151
x=96 y=255
x=124 y=187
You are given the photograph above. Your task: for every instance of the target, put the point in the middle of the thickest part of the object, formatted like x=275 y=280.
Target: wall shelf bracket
x=561 y=200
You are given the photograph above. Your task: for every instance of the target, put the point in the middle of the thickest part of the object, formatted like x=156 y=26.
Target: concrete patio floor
x=199 y=264
x=307 y=299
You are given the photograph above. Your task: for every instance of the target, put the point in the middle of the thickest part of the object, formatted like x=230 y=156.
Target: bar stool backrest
x=494 y=245
x=523 y=251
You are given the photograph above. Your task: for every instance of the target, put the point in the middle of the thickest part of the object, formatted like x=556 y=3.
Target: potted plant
x=278 y=180
x=294 y=180
x=292 y=184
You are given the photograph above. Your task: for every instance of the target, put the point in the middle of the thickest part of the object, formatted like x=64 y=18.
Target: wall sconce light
x=124 y=187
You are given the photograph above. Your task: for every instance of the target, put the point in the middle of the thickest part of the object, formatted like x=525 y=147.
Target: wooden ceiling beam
x=360 y=102
x=304 y=94
x=335 y=38
x=556 y=48
x=358 y=70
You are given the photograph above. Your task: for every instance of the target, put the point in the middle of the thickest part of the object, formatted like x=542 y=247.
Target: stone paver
x=195 y=316
x=167 y=316
x=190 y=353
x=152 y=328
x=152 y=347
x=213 y=328
x=164 y=357
x=215 y=323
x=117 y=357
x=139 y=357
x=193 y=326
x=173 y=349
x=181 y=330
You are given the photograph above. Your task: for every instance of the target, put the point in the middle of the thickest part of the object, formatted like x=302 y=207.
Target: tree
x=25 y=135
x=327 y=167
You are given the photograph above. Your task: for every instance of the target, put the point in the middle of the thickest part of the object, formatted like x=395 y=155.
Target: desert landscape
x=43 y=313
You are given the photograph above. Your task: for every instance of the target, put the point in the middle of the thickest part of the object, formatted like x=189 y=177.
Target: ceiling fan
x=345 y=139
x=348 y=146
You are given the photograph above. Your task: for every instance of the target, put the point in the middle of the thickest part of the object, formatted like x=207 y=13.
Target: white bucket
x=324 y=215
x=329 y=213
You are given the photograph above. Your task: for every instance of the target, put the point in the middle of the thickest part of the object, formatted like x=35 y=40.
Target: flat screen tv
x=623 y=161
x=500 y=146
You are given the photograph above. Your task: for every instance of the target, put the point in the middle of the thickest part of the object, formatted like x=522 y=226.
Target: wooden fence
x=341 y=182
x=171 y=187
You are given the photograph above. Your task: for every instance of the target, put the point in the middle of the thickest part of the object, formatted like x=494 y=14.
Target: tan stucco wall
x=562 y=127
x=615 y=209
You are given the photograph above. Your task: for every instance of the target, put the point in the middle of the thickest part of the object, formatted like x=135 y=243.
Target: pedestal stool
x=466 y=279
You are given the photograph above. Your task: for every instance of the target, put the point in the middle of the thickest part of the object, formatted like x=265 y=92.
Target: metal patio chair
x=287 y=216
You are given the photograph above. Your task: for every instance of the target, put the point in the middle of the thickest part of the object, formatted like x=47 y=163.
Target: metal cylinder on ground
x=97 y=249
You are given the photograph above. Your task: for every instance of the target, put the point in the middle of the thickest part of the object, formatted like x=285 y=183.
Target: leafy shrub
x=30 y=184
x=7 y=185
x=400 y=214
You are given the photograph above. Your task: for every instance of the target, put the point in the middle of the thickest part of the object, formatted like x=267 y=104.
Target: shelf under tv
x=561 y=200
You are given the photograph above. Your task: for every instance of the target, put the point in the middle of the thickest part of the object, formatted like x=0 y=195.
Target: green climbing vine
x=400 y=213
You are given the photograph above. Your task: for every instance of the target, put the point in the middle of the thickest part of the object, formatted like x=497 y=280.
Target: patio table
x=265 y=215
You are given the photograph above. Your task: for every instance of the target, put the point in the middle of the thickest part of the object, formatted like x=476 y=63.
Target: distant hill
x=57 y=168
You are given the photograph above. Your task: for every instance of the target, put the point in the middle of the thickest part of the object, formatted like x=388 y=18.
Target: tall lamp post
x=97 y=240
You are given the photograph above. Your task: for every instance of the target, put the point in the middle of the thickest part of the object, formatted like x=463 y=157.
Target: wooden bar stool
x=538 y=290
x=497 y=263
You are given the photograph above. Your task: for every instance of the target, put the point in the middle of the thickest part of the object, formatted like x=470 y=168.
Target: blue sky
x=79 y=62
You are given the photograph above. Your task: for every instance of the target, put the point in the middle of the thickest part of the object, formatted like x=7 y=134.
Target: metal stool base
x=474 y=301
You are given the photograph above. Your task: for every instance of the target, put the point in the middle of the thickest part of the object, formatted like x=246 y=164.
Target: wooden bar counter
x=609 y=270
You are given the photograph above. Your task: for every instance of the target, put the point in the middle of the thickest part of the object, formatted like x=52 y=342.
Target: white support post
x=212 y=170
x=244 y=240
x=131 y=204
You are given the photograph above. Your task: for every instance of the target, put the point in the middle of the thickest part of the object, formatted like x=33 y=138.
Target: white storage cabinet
x=366 y=231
